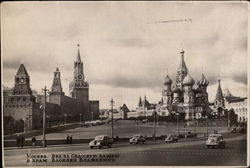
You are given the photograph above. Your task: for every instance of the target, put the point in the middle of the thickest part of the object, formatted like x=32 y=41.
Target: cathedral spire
x=183 y=66
x=140 y=102
x=182 y=71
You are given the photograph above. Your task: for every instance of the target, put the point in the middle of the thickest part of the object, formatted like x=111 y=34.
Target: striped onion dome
x=203 y=81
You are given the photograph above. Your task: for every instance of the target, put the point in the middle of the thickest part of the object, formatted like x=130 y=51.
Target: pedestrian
x=22 y=140
x=33 y=141
x=70 y=139
x=18 y=140
x=67 y=139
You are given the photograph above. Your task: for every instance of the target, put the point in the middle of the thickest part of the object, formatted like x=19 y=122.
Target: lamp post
x=193 y=122
x=228 y=119
x=154 y=126
x=112 y=123
x=65 y=118
x=44 y=117
x=177 y=115
x=80 y=118
x=92 y=115
x=207 y=124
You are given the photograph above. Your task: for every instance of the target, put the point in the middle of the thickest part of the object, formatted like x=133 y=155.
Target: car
x=100 y=141
x=190 y=135
x=171 y=138
x=137 y=139
x=215 y=140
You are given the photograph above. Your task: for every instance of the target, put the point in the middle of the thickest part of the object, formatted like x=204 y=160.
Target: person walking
x=70 y=139
x=22 y=140
x=67 y=139
x=18 y=140
x=33 y=140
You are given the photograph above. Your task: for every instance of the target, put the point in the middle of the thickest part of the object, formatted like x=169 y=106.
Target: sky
x=125 y=51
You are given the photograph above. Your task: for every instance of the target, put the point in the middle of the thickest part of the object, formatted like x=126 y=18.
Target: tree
x=233 y=117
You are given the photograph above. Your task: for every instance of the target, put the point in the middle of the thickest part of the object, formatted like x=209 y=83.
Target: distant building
x=238 y=104
x=144 y=108
x=124 y=111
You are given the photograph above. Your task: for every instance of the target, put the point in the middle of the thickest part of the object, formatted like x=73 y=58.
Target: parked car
x=171 y=138
x=238 y=129
x=100 y=141
x=215 y=140
x=137 y=139
x=190 y=135
x=145 y=120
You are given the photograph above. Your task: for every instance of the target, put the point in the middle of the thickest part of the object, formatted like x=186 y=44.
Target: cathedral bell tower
x=182 y=72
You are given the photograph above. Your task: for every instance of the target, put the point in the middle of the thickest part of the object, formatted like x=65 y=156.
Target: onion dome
x=176 y=90
x=203 y=81
x=168 y=81
x=188 y=80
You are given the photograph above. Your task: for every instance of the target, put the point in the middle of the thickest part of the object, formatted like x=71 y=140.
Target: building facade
x=238 y=104
x=21 y=104
x=77 y=104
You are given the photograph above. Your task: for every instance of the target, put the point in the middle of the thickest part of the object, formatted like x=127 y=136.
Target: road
x=186 y=152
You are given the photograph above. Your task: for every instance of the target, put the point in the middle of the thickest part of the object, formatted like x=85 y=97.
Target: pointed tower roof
x=219 y=94
x=57 y=69
x=183 y=66
x=22 y=70
x=78 y=58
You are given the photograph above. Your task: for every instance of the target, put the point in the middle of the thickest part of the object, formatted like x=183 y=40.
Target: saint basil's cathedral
x=182 y=97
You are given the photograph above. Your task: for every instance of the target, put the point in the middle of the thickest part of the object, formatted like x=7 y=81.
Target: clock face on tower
x=79 y=76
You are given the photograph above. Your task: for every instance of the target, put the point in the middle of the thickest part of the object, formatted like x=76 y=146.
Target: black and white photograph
x=124 y=83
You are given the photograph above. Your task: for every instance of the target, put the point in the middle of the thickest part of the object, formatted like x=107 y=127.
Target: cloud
x=132 y=42
x=119 y=49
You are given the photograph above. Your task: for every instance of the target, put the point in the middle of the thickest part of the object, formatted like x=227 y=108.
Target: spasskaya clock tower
x=79 y=88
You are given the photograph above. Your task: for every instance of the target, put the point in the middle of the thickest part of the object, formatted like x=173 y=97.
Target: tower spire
x=219 y=98
x=78 y=59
